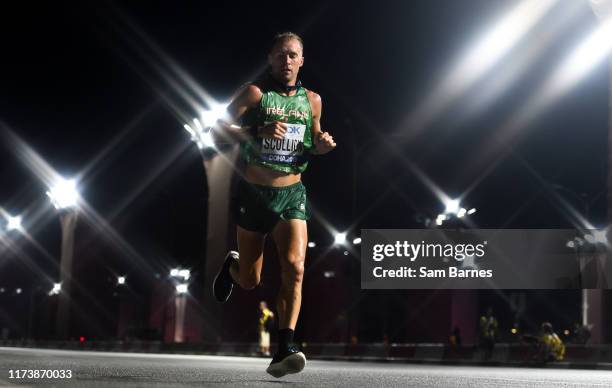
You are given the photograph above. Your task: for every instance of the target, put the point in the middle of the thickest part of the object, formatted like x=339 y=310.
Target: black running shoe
x=223 y=283
x=287 y=361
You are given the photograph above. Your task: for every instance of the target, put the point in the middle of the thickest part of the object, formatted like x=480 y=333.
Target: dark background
x=80 y=80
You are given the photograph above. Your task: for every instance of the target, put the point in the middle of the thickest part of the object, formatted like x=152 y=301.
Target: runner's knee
x=293 y=269
x=249 y=282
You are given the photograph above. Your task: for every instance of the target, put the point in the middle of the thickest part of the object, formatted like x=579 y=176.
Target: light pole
x=121 y=292
x=603 y=11
x=219 y=166
x=590 y=300
x=179 y=304
x=180 y=301
x=65 y=197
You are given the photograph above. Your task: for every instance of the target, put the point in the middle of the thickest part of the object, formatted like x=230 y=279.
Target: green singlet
x=287 y=155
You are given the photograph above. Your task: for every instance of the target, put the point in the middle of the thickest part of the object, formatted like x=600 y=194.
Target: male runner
x=283 y=121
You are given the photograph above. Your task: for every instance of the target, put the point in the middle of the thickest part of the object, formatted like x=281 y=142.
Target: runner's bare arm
x=323 y=141
x=227 y=129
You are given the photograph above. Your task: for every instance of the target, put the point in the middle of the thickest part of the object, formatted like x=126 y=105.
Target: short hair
x=283 y=36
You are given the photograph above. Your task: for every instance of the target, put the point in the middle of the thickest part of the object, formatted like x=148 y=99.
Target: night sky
x=79 y=77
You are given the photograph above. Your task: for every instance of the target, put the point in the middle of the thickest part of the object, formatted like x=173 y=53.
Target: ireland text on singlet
x=290 y=153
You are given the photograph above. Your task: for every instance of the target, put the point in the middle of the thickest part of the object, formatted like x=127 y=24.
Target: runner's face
x=285 y=59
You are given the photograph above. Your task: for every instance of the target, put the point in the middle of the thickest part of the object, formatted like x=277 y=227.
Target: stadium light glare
x=340 y=238
x=57 y=288
x=201 y=128
x=184 y=273
x=181 y=288
x=452 y=206
x=217 y=111
x=590 y=53
x=64 y=194
x=597 y=237
x=13 y=223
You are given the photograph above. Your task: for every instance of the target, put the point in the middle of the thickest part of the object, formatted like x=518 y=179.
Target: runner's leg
x=247 y=272
x=291 y=238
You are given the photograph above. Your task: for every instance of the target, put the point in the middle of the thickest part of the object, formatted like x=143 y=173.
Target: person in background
x=488 y=333
x=551 y=347
x=455 y=337
x=266 y=320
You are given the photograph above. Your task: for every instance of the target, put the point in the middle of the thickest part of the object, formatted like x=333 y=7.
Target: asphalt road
x=109 y=369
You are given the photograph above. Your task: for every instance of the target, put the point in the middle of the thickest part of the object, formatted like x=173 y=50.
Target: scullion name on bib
x=286 y=150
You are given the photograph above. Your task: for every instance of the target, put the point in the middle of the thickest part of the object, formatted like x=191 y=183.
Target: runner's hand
x=324 y=143
x=274 y=130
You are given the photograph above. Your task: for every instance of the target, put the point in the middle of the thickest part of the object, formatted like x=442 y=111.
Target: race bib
x=286 y=150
